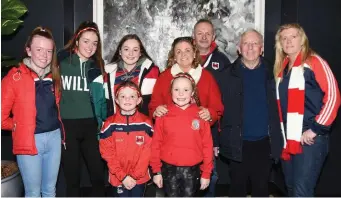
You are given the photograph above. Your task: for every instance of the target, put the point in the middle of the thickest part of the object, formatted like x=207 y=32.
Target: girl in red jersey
x=126 y=143
x=182 y=145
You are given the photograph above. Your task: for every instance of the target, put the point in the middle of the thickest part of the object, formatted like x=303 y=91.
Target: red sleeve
x=215 y=104
x=207 y=144
x=141 y=168
x=107 y=149
x=155 y=161
x=331 y=100
x=157 y=96
x=7 y=101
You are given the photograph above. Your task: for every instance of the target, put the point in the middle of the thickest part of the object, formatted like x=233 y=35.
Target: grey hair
x=260 y=36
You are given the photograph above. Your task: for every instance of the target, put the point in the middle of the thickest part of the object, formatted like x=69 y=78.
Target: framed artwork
x=159 y=22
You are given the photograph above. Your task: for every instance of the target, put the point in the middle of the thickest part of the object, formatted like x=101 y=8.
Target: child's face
x=182 y=92
x=128 y=100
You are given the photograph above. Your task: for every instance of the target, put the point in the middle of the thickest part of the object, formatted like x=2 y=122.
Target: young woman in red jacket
x=31 y=92
x=182 y=144
x=126 y=143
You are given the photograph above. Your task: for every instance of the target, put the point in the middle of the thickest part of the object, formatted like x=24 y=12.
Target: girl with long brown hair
x=83 y=107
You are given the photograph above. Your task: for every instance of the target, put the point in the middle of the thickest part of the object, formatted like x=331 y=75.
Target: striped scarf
x=295 y=111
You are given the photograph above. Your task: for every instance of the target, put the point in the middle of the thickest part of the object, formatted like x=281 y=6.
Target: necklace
x=128 y=74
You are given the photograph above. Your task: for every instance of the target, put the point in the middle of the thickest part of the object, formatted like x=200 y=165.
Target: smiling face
x=130 y=52
x=250 y=46
x=204 y=36
x=182 y=92
x=291 y=41
x=41 y=52
x=128 y=99
x=184 y=55
x=87 y=45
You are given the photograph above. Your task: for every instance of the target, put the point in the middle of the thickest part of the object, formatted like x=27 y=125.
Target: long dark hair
x=117 y=57
x=87 y=26
x=171 y=55
x=46 y=33
x=194 y=87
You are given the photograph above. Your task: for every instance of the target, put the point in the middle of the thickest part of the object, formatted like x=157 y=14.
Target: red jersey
x=181 y=138
x=126 y=146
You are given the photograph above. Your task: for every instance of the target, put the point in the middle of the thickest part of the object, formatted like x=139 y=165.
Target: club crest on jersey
x=195 y=124
x=215 y=65
x=139 y=140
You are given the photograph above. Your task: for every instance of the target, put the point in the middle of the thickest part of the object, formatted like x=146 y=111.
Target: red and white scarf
x=295 y=111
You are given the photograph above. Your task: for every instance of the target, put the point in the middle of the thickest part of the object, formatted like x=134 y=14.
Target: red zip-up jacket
x=181 y=138
x=126 y=146
x=18 y=96
x=208 y=92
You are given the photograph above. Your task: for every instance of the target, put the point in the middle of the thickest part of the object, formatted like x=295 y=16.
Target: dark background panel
x=272 y=21
x=40 y=12
x=322 y=23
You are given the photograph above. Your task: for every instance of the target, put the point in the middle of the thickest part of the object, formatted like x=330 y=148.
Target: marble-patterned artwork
x=158 y=22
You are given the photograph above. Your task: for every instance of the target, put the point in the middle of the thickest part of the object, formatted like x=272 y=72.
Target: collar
x=195 y=73
x=144 y=62
x=27 y=62
x=298 y=61
x=129 y=117
x=75 y=60
x=212 y=48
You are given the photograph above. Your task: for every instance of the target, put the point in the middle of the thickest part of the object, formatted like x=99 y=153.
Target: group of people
x=169 y=127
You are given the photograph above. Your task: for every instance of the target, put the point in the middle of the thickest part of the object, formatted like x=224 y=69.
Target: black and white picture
x=159 y=22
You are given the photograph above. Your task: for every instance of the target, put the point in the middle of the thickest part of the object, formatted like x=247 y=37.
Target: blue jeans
x=210 y=192
x=302 y=171
x=137 y=191
x=39 y=172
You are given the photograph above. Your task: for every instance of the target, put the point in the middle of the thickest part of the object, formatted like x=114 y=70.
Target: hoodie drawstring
x=82 y=68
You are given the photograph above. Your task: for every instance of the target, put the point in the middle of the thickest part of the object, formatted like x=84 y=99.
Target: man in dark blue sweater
x=250 y=136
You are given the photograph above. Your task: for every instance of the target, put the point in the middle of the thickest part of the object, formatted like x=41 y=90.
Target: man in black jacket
x=214 y=61
x=251 y=137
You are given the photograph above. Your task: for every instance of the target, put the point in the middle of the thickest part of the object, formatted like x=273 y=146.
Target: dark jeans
x=180 y=181
x=210 y=191
x=302 y=171
x=81 y=141
x=137 y=191
x=255 y=166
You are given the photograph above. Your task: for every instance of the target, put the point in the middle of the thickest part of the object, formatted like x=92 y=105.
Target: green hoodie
x=75 y=101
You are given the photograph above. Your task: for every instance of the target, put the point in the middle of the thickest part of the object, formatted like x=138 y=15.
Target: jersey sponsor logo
x=139 y=140
x=195 y=124
x=215 y=65
x=75 y=83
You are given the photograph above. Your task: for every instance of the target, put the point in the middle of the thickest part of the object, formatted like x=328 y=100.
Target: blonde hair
x=306 y=51
x=171 y=55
